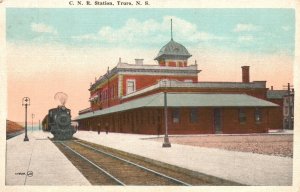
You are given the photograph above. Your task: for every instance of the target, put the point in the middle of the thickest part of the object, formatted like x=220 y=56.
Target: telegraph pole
x=289 y=102
x=32 y=116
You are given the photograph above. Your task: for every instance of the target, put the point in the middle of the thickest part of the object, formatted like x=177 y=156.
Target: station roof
x=276 y=94
x=173 y=48
x=184 y=100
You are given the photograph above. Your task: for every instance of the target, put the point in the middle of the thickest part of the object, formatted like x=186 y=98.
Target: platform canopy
x=185 y=100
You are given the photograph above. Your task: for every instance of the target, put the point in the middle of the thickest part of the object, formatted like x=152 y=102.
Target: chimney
x=139 y=61
x=245 y=74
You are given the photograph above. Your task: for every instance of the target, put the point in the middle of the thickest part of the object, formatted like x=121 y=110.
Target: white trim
x=134 y=86
x=120 y=82
x=158 y=73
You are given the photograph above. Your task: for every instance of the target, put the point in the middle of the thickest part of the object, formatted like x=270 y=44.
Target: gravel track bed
x=279 y=145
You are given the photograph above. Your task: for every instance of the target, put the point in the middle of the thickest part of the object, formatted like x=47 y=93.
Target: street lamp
x=26 y=102
x=32 y=116
x=166 y=138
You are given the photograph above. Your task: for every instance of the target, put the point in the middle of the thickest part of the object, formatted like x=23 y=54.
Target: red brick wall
x=143 y=81
x=113 y=99
x=259 y=93
x=204 y=125
x=172 y=64
x=276 y=114
x=231 y=123
x=245 y=74
x=151 y=121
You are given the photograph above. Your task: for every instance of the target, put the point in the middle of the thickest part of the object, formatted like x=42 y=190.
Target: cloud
x=43 y=28
x=245 y=38
x=54 y=64
x=286 y=28
x=246 y=28
x=137 y=32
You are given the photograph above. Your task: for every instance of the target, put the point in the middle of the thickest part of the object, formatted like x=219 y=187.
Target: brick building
x=130 y=99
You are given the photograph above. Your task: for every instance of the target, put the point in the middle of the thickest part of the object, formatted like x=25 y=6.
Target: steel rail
x=129 y=162
x=101 y=169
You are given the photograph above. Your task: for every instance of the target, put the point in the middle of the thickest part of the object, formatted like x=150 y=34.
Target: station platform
x=241 y=167
x=39 y=162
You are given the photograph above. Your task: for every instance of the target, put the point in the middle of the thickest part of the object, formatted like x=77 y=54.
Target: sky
x=53 y=50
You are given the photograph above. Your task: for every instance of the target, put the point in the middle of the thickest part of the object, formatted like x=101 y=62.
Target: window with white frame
x=130 y=86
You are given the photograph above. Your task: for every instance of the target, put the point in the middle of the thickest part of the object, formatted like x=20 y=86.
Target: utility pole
x=32 y=116
x=289 y=106
x=289 y=103
x=166 y=138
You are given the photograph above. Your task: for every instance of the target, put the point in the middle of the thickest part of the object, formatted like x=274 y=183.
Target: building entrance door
x=217 y=120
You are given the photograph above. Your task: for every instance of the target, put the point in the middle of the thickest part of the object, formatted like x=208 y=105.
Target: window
x=100 y=97
x=130 y=86
x=112 y=92
x=194 y=115
x=242 y=116
x=258 y=115
x=176 y=115
x=188 y=80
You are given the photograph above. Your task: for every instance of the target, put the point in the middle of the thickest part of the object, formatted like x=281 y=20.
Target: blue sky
x=243 y=30
x=70 y=47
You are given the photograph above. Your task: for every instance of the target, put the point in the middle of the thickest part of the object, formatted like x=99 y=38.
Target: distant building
x=288 y=110
x=283 y=116
x=276 y=96
x=130 y=99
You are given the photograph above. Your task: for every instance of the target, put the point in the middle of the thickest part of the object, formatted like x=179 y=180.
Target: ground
x=273 y=144
x=13 y=127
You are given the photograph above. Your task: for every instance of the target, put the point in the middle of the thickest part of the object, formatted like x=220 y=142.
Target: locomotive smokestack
x=245 y=74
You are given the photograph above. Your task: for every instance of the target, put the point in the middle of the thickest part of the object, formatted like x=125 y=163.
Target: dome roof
x=172 y=49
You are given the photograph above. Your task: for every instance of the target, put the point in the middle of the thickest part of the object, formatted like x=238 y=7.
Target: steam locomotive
x=58 y=122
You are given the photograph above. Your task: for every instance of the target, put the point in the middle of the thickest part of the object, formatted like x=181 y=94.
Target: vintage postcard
x=149 y=95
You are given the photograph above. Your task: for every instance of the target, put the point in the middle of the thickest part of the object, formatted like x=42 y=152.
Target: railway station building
x=130 y=99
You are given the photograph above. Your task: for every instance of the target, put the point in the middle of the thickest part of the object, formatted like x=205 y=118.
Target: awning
x=185 y=100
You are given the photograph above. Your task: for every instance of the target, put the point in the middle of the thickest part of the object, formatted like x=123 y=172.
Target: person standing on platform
x=98 y=127
x=106 y=127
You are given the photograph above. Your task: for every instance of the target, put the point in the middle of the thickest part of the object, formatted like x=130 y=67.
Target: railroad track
x=105 y=166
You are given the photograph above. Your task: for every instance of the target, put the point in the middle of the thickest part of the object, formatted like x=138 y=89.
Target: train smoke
x=61 y=97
